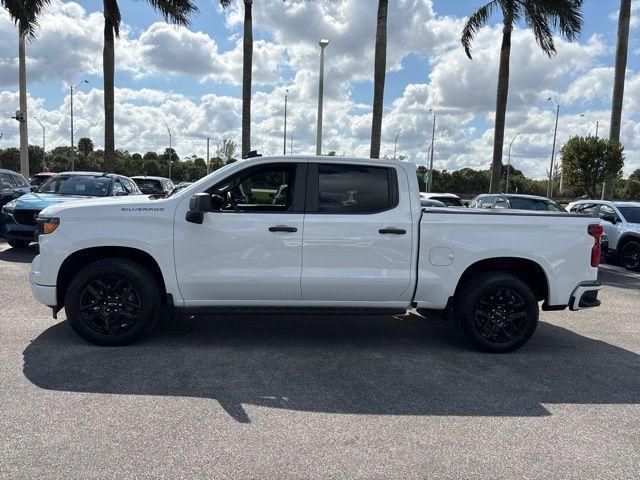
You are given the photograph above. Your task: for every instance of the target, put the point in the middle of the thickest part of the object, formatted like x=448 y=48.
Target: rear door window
x=355 y=189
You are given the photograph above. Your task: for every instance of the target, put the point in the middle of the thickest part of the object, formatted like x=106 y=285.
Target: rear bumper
x=585 y=296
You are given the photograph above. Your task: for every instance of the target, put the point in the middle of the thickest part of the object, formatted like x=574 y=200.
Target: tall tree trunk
x=618 y=86
x=22 y=80
x=501 y=106
x=380 y=70
x=247 y=62
x=108 y=69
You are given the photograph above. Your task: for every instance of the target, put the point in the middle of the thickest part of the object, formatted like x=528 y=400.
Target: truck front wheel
x=112 y=302
x=497 y=312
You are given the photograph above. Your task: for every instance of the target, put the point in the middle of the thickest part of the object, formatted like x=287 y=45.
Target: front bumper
x=11 y=230
x=45 y=294
x=585 y=296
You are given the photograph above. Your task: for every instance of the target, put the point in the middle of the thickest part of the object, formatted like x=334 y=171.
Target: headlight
x=47 y=225
x=9 y=207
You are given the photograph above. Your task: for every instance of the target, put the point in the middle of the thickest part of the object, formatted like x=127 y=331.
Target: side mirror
x=610 y=219
x=121 y=194
x=34 y=187
x=198 y=205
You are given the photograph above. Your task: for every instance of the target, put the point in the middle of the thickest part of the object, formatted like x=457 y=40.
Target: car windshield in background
x=449 y=201
x=631 y=214
x=535 y=205
x=149 y=186
x=83 y=185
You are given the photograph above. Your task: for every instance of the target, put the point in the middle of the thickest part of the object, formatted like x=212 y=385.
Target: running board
x=293 y=310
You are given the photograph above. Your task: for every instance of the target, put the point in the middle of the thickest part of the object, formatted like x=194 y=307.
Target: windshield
x=535 y=204
x=449 y=201
x=84 y=185
x=631 y=214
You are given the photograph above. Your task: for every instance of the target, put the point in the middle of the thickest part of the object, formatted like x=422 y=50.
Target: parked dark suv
x=12 y=185
x=18 y=217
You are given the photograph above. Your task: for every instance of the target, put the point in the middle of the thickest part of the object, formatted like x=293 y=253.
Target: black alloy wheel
x=110 y=305
x=496 y=311
x=113 y=301
x=500 y=315
x=630 y=256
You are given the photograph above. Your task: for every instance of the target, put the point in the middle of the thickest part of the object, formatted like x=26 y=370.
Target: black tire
x=113 y=302
x=19 y=243
x=497 y=312
x=630 y=255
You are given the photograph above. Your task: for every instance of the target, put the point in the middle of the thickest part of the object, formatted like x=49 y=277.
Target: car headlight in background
x=9 y=208
x=47 y=225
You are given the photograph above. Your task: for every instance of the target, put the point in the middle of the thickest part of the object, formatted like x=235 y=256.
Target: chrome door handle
x=283 y=228
x=392 y=231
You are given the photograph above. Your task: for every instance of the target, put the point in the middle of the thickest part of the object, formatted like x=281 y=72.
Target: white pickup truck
x=291 y=234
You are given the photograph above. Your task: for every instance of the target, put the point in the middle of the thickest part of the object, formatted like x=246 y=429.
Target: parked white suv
x=621 y=223
x=313 y=234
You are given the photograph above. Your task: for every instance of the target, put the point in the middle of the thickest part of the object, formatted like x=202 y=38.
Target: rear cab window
x=351 y=189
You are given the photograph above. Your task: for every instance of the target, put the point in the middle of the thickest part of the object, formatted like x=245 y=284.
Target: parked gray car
x=621 y=223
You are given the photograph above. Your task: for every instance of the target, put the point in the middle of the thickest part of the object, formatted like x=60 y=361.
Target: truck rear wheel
x=112 y=302
x=497 y=312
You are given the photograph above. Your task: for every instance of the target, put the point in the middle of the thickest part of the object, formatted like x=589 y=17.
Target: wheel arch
x=627 y=237
x=81 y=258
x=531 y=272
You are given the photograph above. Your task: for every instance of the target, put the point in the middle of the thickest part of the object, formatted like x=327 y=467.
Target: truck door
x=251 y=250
x=357 y=235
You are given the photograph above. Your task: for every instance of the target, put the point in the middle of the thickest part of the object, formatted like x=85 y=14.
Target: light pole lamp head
x=323 y=43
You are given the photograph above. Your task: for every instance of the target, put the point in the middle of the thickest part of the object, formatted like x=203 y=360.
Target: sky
x=190 y=78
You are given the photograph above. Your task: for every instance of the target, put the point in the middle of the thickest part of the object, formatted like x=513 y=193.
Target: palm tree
x=618 y=85
x=379 y=69
x=247 y=64
x=25 y=15
x=173 y=11
x=542 y=16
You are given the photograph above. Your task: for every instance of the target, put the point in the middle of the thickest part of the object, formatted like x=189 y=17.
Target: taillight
x=596 y=230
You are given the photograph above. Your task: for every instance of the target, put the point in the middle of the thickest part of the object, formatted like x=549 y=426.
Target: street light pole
x=509 y=161
x=208 y=161
x=44 y=149
x=170 y=150
x=395 y=144
x=433 y=139
x=291 y=144
x=323 y=44
x=284 y=142
x=553 y=150
x=73 y=152
x=595 y=122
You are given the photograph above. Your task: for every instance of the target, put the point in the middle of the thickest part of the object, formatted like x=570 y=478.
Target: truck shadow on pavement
x=403 y=365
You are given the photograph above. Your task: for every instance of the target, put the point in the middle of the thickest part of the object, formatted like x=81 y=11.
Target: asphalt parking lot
x=319 y=397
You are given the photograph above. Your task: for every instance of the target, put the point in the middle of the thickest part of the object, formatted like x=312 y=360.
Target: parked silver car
x=621 y=223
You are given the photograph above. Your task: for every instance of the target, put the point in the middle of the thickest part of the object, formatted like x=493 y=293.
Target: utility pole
x=553 y=150
x=170 y=150
x=433 y=139
x=323 y=44
x=291 y=144
x=208 y=158
x=44 y=145
x=284 y=142
x=73 y=151
x=509 y=162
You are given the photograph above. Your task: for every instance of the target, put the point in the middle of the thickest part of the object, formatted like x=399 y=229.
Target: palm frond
x=476 y=21
x=175 y=11
x=25 y=13
x=538 y=20
x=112 y=14
x=225 y=3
